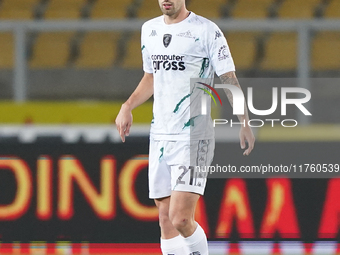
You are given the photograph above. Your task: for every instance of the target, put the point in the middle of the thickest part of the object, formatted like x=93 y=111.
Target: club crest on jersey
x=167 y=40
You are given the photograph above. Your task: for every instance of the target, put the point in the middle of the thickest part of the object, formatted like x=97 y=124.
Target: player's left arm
x=246 y=134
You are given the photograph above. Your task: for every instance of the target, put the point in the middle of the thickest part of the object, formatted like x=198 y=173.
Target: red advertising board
x=99 y=193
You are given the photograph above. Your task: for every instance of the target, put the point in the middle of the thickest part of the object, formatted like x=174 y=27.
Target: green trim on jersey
x=205 y=65
x=180 y=102
x=162 y=152
x=189 y=123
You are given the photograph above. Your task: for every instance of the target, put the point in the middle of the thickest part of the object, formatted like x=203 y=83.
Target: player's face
x=171 y=7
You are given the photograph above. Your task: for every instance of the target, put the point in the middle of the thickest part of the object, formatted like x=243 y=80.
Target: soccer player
x=178 y=46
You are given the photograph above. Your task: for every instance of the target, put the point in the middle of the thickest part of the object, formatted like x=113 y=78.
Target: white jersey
x=176 y=53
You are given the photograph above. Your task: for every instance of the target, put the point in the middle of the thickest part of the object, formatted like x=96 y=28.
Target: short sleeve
x=218 y=50
x=147 y=64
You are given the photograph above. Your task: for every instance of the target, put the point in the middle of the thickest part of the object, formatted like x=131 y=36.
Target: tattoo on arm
x=230 y=78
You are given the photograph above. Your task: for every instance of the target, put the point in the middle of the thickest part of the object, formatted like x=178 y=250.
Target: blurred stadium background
x=65 y=68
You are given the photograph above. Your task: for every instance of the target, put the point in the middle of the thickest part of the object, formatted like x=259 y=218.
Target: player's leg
x=171 y=241
x=160 y=191
x=182 y=212
x=182 y=216
x=167 y=229
x=187 y=184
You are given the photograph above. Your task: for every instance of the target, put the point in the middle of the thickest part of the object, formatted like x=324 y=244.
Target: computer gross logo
x=168 y=62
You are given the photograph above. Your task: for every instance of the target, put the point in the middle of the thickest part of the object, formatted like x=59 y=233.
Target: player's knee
x=164 y=220
x=163 y=212
x=180 y=223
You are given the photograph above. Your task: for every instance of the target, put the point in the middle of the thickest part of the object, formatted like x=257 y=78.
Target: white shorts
x=173 y=166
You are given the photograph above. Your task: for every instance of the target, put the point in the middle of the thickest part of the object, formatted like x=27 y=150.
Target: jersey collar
x=189 y=17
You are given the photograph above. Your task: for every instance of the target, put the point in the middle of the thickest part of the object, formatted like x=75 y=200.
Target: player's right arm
x=142 y=93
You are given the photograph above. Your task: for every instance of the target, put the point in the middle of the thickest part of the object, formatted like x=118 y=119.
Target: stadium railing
x=303 y=28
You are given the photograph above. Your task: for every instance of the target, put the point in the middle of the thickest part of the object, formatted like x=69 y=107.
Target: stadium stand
x=243 y=48
x=148 y=9
x=7 y=50
x=280 y=52
x=333 y=9
x=17 y=9
x=108 y=9
x=298 y=9
x=211 y=9
x=51 y=50
x=250 y=9
x=64 y=9
x=98 y=50
x=133 y=57
x=326 y=51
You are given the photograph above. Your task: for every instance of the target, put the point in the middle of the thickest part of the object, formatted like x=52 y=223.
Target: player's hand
x=124 y=122
x=246 y=134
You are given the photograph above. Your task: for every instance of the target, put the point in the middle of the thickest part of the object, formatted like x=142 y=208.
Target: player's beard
x=172 y=11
